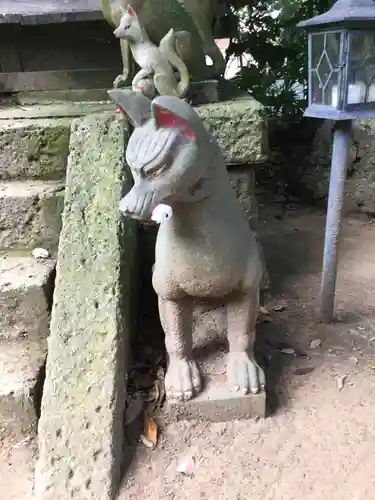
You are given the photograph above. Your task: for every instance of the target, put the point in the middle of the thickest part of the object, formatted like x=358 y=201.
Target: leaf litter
x=149 y=436
x=314 y=344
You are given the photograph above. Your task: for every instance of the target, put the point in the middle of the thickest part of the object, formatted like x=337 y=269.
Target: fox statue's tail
x=167 y=47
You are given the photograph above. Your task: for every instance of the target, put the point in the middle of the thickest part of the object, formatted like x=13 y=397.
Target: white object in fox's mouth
x=161 y=213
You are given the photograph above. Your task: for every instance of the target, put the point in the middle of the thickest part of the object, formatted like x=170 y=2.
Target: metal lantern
x=342 y=61
x=341 y=88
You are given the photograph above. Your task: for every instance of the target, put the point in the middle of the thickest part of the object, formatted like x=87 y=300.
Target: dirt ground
x=318 y=439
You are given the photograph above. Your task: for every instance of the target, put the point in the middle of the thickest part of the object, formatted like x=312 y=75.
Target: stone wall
x=301 y=158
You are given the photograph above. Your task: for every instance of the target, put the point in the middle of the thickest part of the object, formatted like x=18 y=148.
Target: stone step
x=33 y=148
x=21 y=375
x=30 y=213
x=26 y=288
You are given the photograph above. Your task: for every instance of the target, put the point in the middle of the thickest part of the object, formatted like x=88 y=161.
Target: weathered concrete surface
x=34 y=149
x=30 y=213
x=26 y=288
x=81 y=430
x=20 y=391
x=240 y=128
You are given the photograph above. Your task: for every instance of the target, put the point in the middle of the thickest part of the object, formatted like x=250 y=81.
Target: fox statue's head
x=129 y=26
x=169 y=153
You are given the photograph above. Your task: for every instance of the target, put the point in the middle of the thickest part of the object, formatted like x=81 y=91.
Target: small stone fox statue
x=156 y=63
x=205 y=250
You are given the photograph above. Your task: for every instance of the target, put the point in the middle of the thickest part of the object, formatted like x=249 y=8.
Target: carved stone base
x=204 y=92
x=216 y=403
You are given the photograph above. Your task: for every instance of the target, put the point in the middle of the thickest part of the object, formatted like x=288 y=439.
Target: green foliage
x=278 y=66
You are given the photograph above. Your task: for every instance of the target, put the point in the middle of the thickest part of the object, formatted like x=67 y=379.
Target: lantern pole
x=339 y=167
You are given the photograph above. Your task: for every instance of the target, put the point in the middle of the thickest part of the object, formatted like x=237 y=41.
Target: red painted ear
x=131 y=11
x=166 y=119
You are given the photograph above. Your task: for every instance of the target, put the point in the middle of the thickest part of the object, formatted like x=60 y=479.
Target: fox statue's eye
x=154 y=171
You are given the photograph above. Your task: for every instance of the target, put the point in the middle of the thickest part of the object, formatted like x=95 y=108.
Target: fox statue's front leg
x=244 y=375
x=182 y=380
x=124 y=79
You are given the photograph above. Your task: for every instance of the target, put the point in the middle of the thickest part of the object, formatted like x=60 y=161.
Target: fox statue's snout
x=139 y=203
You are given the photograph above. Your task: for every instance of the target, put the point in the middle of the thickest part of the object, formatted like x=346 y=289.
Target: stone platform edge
x=219 y=406
x=239 y=125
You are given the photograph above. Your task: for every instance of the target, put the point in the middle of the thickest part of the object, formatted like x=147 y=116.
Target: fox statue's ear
x=134 y=105
x=131 y=11
x=166 y=119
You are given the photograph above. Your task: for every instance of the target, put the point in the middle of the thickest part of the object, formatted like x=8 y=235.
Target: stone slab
x=52 y=97
x=216 y=403
x=81 y=430
x=30 y=214
x=53 y=109
x=51 y=11
x=34 y=149
x=240 y=126
x=26 y=288
x=20 y=389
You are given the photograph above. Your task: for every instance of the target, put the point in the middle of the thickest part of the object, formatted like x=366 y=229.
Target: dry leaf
x=315 y=343
x=288 y=350
x=372 y=366
x=341 y=382
x=279 y=307
x=147 y=442
x=149 y=437
x=187 y=466
x=263 y=310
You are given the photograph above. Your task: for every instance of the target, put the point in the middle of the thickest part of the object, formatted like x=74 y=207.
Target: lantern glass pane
x=361 y=68
x=324 y=68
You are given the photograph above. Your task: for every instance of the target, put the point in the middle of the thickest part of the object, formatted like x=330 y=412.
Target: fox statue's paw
x=182 y=380
x=122 y=81
x=244 y=374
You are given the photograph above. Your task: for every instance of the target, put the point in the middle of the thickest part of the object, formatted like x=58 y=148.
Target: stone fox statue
x=192 y=22
x=156 y=63
x=205 y=250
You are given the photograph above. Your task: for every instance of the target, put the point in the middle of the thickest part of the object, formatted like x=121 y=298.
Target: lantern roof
x=344 y=12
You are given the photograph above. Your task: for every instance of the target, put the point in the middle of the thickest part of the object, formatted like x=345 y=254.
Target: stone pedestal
x=216 y=403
